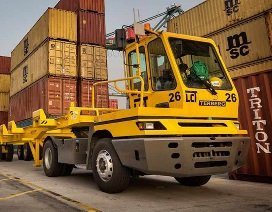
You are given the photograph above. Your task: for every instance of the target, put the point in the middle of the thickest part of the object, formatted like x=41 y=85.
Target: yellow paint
x=19 y=194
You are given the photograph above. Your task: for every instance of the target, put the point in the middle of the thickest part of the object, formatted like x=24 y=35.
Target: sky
x=18 y=16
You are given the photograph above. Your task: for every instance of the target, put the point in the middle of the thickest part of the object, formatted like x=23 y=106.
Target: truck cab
x=183 y=72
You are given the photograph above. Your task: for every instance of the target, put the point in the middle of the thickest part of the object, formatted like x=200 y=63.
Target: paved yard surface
x=26 y=188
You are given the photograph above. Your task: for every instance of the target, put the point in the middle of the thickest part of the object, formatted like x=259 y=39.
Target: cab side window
x=136 y=83
x=161 y=71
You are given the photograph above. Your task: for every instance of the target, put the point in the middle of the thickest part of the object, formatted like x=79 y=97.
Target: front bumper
x=183 y=156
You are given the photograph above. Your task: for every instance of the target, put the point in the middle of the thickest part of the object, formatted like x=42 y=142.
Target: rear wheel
x=20 y=152
x=109 y=174
x=51 y=166
x=27 y=153
x=9 y=155
x=193 y=181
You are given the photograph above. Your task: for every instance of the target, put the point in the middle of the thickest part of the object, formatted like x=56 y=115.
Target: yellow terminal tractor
x=182 y=119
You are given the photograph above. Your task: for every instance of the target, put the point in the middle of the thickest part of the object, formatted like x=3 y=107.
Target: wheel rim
x=48 y=158
x=104 y=165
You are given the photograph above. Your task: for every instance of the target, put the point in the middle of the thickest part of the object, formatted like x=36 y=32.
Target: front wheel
x=51 y=166
x=109 y=174
x=193 y=181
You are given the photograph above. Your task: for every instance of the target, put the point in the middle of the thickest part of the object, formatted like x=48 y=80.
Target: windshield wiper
x=208 y=85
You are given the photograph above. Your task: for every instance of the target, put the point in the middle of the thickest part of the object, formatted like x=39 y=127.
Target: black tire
x=9 y=155
x=119 y=178
x=27 y=153
x=3 y=156
x=51 y=167
x=193 y=181
x=67 y=169
x=20 y=152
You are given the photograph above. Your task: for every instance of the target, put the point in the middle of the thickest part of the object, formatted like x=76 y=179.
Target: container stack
x=91 y=51
x=243 y=31
x=44 y=67
x=4 y=88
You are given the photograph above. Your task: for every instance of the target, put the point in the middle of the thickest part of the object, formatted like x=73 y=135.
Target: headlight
x=150 y=126
x=237 y=124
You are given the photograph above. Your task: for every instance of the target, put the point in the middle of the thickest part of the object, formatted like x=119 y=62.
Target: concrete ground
x=26 y=188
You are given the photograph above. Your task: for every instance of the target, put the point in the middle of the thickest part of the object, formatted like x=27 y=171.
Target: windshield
x=198 y=65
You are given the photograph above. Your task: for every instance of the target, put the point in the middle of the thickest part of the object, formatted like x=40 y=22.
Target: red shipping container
x=3 y=118
x=87 y=5
x=113 y=104
x=255 y=115
x=53 y=94
x=91 y=28
x=5 y=63
x=85 y=94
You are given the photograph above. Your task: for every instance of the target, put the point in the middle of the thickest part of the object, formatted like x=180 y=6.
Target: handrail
x=141 y=92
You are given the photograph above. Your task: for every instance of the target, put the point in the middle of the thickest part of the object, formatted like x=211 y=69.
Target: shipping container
x=87 y=5
x=245 y=43
x=251 y=68
x=113 y=103
x=3 y=118
x=4 y=83
x=85 y=94
x=55 y=57
x=55 y=24
x=93 y=62
x=213 y=15
x=255 y=115
x=4 y=102
x=5 y=65
x=269 y=26
x=91 y=28
x=53 y=94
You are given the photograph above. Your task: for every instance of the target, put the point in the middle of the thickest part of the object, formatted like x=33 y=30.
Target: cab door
x=165 y=92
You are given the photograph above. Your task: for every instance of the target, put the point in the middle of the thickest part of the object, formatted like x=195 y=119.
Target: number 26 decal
x=174 y=97
x=231 y=97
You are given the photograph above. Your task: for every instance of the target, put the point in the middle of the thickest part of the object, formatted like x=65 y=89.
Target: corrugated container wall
x=3 y=118
x=87 y=5
x=255 y=92
x=53 y=58
x=4 y=102
x=213 y=15
x=4 y=83
x=245 y=43
x=93 y=62
x=91 y=28
x=5 y=65
x=113 y=103
x=52 y=94
x=55 y=24
x=85 y=94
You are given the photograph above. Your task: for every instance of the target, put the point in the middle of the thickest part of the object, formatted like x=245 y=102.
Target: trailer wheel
x=27 y=153
x=109 y=174
x=51 y=166
x=67 y=169
x=193 y=181
x=3 y=156
x=20 y=152
x=9 y=155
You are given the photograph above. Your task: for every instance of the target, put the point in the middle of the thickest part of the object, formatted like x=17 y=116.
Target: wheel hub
x=48 y=158
x=104 y=165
